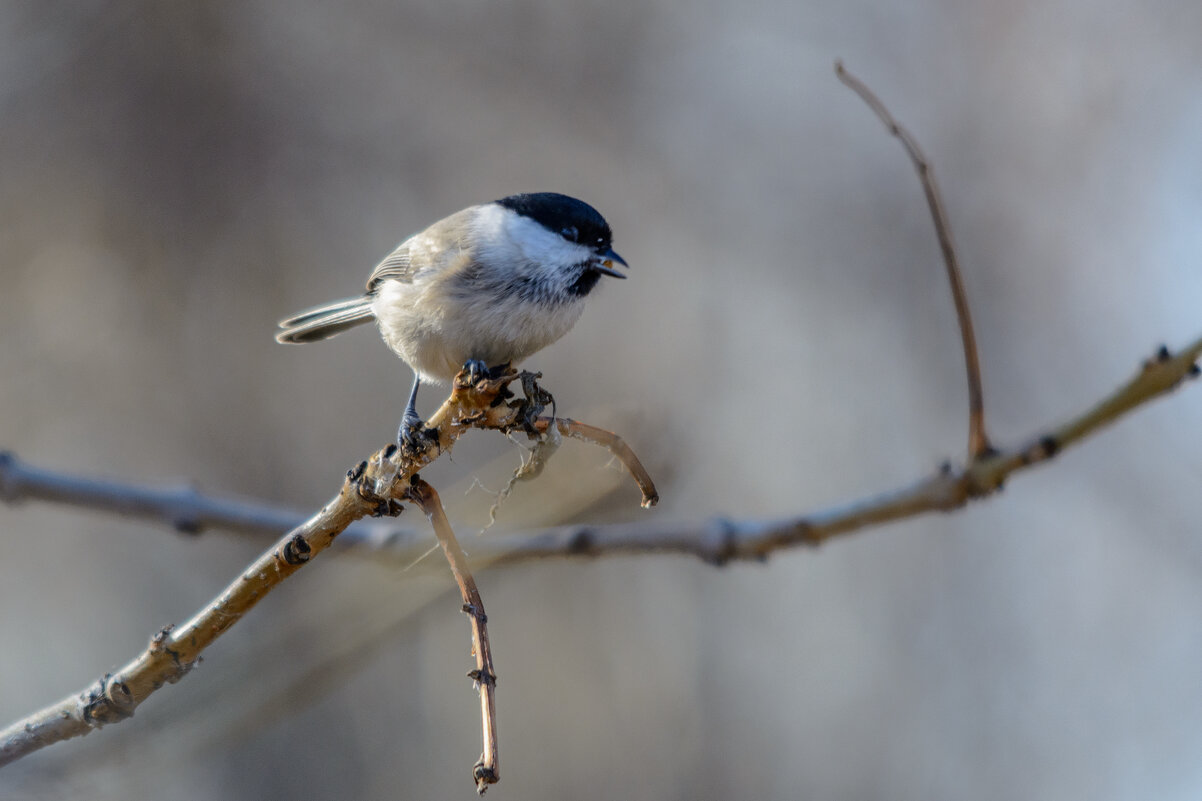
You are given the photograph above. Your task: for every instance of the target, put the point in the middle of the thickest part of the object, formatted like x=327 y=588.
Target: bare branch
x=184 y=508
x=612 y=443
x=721 y=540
x=189 y=511
x=950 y=488
x=374 y=487
x=174 y=651
x=978 y=440
x=486 y=771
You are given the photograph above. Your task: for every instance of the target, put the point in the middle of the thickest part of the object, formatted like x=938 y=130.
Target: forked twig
x=374 y=487
x=978 y=440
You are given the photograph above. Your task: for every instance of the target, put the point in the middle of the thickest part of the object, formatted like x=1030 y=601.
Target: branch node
x=107 y=701
x=482 y=677
x=484 y=776
x=159 y=641
x=1049 y=446
x=721 y=544
x=297 y=550
x=474 y=611
x=581 y=542
x=187 y=524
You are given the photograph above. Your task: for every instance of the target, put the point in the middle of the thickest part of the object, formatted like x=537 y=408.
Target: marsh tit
x=487 y=286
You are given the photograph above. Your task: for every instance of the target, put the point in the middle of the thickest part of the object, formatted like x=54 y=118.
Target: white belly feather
x=450 y=330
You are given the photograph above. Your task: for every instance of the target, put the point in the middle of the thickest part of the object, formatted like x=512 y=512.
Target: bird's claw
x=412 y=434
x=476 y=371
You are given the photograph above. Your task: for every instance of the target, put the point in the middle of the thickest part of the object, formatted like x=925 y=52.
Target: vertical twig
x=486 y=771
x=978 y=440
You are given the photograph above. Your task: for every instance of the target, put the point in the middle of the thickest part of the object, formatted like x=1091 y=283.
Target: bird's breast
x=437 y=326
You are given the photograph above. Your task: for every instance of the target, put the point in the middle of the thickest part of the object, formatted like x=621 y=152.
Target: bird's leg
x=410 y=433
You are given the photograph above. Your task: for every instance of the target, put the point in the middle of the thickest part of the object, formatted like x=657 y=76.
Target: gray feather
x=323 y=322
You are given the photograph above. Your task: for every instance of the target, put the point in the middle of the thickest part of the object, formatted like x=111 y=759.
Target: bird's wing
x=396 y=266
x=435 y=248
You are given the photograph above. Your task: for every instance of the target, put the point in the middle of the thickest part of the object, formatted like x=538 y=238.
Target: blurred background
x=175 y=177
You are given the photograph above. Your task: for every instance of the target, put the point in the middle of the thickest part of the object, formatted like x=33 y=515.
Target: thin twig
x=486 y=770
x=612 y=443
x=978 y=440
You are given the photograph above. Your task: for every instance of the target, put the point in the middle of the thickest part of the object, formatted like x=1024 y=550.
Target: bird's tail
x=323 y=322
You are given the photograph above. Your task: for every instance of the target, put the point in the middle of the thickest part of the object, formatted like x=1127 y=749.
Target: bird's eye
x=570 y=233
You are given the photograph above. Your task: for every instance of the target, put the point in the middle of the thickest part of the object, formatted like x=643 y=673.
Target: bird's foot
x=413 y=435
x=476 y=370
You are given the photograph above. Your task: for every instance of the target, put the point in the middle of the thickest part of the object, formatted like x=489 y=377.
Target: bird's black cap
x=572 y=219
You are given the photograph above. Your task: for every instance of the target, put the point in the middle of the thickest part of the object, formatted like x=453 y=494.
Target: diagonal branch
x=174 y=651
x=978 y=440
x=373 y=487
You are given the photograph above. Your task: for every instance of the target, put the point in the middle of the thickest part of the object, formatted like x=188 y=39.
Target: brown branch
x=950 y=488
x=373 y=487
x=189 y=511
x=486 y=771
x=719 y=541
x=174 y=651
x=978 y=440
x=612 y=443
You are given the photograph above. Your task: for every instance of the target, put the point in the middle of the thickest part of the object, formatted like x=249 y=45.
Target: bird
x=484 y=288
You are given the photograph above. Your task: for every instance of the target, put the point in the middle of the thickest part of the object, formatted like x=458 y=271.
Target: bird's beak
x=604 y=263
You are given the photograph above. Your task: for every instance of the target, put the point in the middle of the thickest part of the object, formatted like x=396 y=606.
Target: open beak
x=604 y=263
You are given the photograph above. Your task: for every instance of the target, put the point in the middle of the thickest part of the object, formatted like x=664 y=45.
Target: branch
x=719 y=541
x=173 y=652
x=373 y=487
x=189 y=511
x=183 y=508
x=186 y=509
x=376 y=486
x=486 y=771
x=978 y=440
